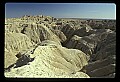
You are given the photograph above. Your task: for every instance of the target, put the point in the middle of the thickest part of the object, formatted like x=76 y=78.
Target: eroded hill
x=44 y=46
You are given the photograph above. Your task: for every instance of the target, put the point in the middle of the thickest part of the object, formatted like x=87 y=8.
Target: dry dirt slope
x=53 y=60
x=14 y=43
x=22 y=33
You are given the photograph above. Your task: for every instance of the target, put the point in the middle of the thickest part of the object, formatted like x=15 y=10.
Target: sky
x=62 y=10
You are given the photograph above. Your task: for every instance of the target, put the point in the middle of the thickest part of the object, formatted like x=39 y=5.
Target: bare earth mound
x=53 y=61
x=47 y=47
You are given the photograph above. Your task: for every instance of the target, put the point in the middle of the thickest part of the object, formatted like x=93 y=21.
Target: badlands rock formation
x=52 y=60
x=44 y=46
x=14 y=43
x=100 y=47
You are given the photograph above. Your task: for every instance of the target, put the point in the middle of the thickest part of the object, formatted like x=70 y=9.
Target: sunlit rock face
x=53 y=60
x=14 y=43
x=39 y=32
x=47 y=47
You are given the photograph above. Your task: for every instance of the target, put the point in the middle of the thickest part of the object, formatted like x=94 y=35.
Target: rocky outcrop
x=52 y=60
x=68 y=30
x=30 y=31
x=90 y=44
x=97 y=68
x=39 y=32
x=84 y=31
x=106 y=47
x=9 y=58
x=13 y=28
x=15 y=42
x=101 y=63
x=103 y=71
x=33 y=48
x=105 y=58
x=104 y=24
x=101 y=48
x=61 y=35
x=85 y=44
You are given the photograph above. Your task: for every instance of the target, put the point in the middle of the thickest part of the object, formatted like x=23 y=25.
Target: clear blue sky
x=62 y=10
